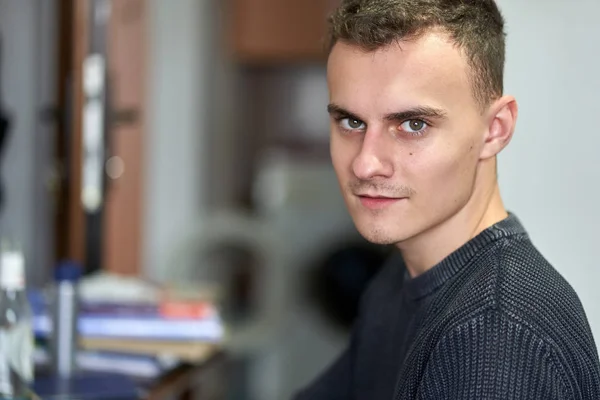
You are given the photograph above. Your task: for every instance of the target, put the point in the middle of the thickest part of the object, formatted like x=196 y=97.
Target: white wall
x=180 y=45
x=550 y=173
x=18 y=70
x=28 y=68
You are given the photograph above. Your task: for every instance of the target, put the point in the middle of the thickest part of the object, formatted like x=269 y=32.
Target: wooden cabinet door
x=266 y=31
x=111 y=239
x=122 y=236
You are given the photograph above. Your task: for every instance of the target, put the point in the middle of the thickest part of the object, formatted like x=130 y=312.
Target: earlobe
x=501 y=127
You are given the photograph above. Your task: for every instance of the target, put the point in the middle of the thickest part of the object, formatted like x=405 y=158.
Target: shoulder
x=515 y=279
x=530 y=307
x=531 y=290
x=491 y=353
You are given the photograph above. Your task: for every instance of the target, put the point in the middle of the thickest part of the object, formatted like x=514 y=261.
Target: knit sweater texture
x=493 y=320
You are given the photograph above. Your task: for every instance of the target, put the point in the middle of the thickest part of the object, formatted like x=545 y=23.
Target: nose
x=373 y=160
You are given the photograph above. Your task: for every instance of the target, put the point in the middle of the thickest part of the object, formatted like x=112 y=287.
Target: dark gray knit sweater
x=493 y=320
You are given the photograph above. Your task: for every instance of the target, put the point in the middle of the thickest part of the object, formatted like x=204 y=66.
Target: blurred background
x=180 y=141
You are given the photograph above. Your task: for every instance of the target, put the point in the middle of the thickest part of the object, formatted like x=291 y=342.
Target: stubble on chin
x=371 y=228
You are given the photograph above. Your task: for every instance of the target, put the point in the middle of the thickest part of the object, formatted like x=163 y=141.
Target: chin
x=379 y=233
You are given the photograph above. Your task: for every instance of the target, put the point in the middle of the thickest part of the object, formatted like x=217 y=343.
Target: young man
x=418 y=116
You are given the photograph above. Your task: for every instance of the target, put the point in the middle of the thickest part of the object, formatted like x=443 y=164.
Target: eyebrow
x=334 y=109
x=417 y=112
x=412 y=113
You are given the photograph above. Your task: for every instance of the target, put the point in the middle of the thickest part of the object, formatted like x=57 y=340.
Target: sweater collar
x=432 y=279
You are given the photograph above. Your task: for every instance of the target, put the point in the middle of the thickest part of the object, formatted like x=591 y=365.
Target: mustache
x=383 y=189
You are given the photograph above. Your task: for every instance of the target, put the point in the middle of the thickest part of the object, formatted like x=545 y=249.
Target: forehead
x=429 y=70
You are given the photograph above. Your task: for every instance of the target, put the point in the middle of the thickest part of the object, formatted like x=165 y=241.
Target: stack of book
x=137 y=338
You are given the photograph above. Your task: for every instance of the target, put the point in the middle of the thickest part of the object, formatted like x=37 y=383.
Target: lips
x=378 y=202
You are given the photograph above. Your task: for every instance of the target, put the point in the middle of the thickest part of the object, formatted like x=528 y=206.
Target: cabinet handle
x=115 y=167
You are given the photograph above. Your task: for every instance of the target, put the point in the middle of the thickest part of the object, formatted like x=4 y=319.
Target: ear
x=503 y=118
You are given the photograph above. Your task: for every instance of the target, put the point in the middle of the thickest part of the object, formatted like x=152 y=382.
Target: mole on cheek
x=411 y=154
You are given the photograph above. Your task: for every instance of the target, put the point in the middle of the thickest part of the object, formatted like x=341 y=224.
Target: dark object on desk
x=4 y=127
x=341 y=277
x=86 y=386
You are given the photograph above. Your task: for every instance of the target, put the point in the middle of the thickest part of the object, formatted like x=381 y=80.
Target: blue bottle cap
x=69 y=271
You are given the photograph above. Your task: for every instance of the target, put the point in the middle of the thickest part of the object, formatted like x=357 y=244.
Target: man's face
x=406 y=135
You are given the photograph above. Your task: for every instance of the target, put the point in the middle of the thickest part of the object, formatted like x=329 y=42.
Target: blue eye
x=352 y=124
x=414 y=126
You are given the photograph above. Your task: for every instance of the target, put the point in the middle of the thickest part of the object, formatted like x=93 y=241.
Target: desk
x=203 y=381
x=86 y=386
x=207 y=381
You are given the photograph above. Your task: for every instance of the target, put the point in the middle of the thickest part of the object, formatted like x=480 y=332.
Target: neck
x=484 y=209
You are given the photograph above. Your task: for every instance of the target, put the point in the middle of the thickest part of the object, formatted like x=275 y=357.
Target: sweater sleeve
x=493 y=357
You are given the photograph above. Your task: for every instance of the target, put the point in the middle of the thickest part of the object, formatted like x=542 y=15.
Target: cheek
x=342 y=154
x=444 y=176
x=336 y=157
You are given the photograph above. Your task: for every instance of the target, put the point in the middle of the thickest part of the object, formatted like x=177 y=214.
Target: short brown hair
x=475 y=26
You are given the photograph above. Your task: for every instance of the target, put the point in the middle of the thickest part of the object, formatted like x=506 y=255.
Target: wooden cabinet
x=124 y=195
x=108 y=237
x=276 y=31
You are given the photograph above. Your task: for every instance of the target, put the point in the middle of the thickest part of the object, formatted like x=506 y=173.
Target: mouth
x=378 y=202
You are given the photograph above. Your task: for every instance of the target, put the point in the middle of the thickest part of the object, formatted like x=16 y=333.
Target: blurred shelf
x=267 y=32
